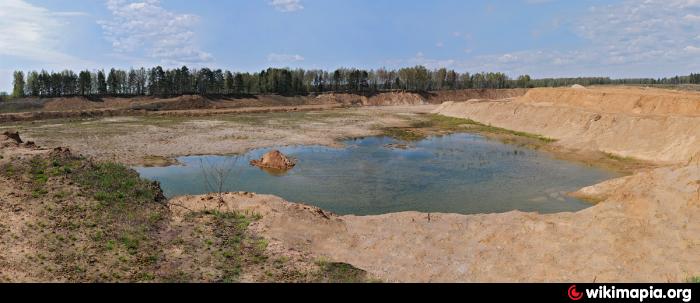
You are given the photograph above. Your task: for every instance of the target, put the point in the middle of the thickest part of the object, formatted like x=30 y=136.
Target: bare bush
x=217 y=175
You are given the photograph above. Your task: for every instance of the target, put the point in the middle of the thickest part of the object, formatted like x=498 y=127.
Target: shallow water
x=458 y=173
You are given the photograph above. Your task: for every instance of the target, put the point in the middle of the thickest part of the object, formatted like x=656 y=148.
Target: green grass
x=337 y=272
x=403 y=134
x=694 y=279
x=231 y=245
x=458 y=124
x=114 y=183
x=121 y=224
x=620 y=158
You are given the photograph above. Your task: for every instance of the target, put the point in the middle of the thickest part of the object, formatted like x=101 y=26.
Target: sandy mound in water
x=275 y=160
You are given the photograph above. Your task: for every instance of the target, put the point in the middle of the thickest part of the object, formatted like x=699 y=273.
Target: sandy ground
x=645 y=228
x=139 y=140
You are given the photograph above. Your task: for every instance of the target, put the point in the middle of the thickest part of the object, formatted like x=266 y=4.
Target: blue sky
x=543 y=38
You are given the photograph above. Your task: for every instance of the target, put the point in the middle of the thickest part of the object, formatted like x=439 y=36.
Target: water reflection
x=459 y=173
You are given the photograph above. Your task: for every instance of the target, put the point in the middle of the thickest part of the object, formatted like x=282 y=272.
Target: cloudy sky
x=543 y=38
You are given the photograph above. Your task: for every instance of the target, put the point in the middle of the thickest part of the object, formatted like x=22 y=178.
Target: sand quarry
x=644 y=227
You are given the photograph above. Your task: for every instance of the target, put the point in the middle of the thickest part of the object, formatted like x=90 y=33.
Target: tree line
x=162 y=82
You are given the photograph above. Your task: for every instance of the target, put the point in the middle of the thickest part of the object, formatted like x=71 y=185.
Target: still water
x=458 y=173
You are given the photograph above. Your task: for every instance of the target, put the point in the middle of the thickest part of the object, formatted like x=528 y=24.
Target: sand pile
x=438 y=97
x=275 y=160
x=345 y=99
x=636 y=101
x=396 y=98
x=578 y=86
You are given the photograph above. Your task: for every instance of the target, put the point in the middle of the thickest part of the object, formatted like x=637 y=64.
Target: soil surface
x=157 y=140
x=644 y=228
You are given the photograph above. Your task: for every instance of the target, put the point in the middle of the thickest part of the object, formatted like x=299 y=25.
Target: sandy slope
x=577 y=122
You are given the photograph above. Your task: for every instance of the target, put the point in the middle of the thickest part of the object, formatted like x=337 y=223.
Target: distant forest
x=161 y=82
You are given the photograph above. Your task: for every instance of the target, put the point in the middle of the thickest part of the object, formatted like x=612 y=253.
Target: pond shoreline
x=467 y=174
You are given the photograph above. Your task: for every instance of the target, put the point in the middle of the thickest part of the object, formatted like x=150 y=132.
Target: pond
x=457 y=173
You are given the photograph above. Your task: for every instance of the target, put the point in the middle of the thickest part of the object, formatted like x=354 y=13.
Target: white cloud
x=287 y=5
x=628 y=39
x=284 y=58
x=439 y=44
x=421 y=59
x=33 y=33
x=692 y=49
x=147 y=29
x=691 y=18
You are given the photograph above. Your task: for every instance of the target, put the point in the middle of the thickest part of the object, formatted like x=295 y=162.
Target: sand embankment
x=30 y=109
x=412 y=98
x=633 y=101
x=659 y=127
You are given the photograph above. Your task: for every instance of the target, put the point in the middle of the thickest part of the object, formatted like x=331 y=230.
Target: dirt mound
x=467 y=94
x=395 y=98
x=178 y=103
x=274 y=160
x=11 y=139
x=410 y=98
x=71 y=103
x=380 y=99
x=637 y=101
x=11 y=135
x=345 y=99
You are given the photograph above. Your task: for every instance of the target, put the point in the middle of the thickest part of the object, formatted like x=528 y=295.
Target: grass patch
x=404 y=134
x=231 y=247
x=116 y=185
x=114 y=218
x=694 y=279
x=446 y=123
x=619 y=158
x=337 y=272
